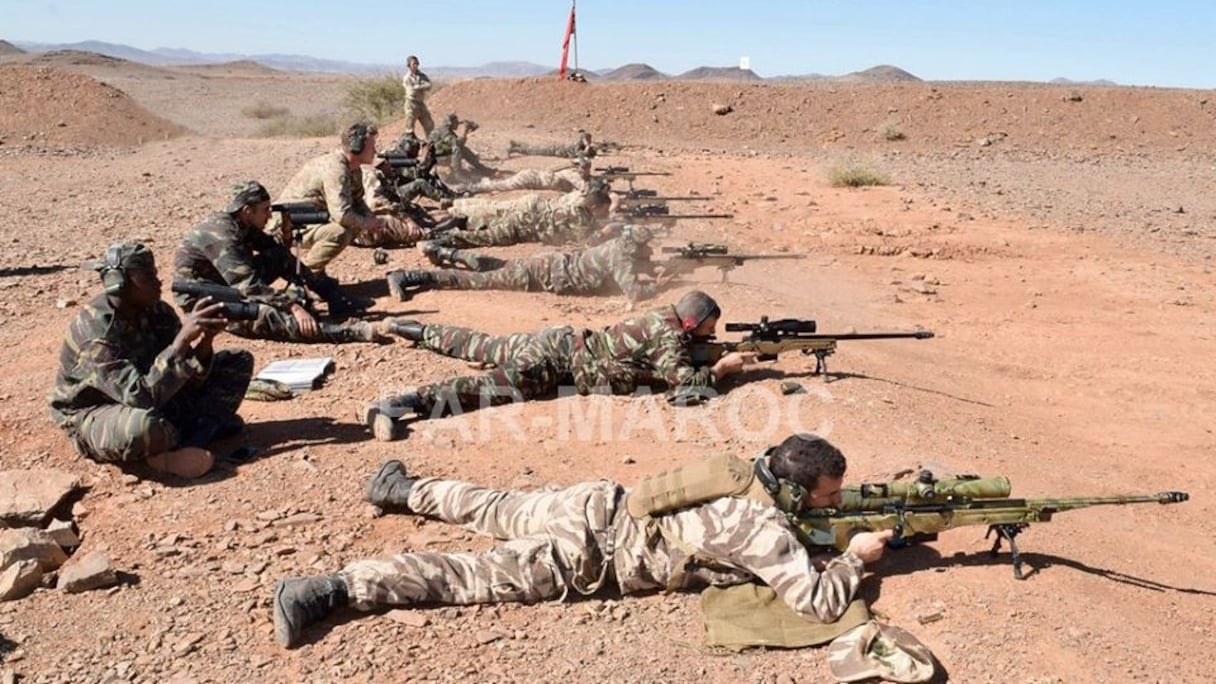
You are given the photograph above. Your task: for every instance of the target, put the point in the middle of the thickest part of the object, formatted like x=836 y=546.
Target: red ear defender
x=688 y=322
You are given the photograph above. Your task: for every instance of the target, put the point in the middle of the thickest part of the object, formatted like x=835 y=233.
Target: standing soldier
x=646 y=350
x=231 y=249
x=567 y=178
x=333 y=182
x=616 y=262
x=137 y=384
x=569 y=219
x=417 y=87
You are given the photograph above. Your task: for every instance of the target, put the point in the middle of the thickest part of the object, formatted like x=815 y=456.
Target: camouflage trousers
x=418 y=112
x=324 y=242
x=120 y=433
x=528 y=179
x=521 y=275
x=553 y=541
x=542 y=150
x=502 y=233
x=526 y=366
x=398 y=231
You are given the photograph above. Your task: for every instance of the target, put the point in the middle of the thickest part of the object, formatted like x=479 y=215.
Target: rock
x=297 y=519
x=64 y=303
x=27 y=496
x=64 y=533
x=91 y=572
x=19 y=580
x=791 y=387
x=27 y=543
x=245 y=586
x=722 y=109
x=485 y=636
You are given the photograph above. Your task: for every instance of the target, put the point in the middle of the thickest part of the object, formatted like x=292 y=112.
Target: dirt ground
x=1058 y=240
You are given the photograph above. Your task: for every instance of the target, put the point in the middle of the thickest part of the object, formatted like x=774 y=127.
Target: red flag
x=561 y=72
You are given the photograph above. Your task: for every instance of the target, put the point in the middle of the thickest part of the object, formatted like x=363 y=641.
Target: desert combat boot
x=390 y=488
x=302 y=601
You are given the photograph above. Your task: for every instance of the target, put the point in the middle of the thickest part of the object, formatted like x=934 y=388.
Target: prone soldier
x=582 y=147
x=569 y=219
x=569 y=178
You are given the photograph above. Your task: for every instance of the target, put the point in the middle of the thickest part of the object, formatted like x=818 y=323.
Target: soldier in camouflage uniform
x=559 y=543
x=617 y=262
x=137 y=384
x=645 y=350
x=333 y=182
x=582 y=147
x=406 y=184
x=447 y=144
x=569 y=219
x=417 y=87
x=231 y=249
x=565 y=179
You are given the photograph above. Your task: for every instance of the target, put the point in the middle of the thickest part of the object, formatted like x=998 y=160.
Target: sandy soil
x=1060 y=248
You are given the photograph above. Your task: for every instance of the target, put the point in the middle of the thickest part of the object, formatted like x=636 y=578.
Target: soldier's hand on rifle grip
x=286 y=229
x=308 y=325
x=731 y=363
x=868 y=546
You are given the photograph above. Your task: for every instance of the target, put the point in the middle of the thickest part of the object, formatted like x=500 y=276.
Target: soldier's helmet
x=695 y=308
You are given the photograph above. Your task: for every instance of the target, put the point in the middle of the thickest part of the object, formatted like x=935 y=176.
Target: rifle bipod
x=1008 y=531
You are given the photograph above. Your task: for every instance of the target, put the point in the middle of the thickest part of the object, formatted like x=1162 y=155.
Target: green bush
x=379 y=99
x=264 y=110
x=892 y=132
x=855 y=175
x=314 y=126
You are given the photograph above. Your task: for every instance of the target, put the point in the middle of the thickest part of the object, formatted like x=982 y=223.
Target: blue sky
x=1164 y=43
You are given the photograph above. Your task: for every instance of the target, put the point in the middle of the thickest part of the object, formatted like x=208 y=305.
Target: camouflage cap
x=245 y=194
x=878 y=650
x=638 y=235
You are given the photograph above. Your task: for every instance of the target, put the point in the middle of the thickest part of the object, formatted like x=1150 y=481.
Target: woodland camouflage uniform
x=122 y=394
x=530 y=218
x=645 y=350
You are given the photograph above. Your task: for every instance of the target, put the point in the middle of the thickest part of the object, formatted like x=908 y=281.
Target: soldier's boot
x=405 y=327
x=447 y=225
x=390 y=488
x=384 y=417
x=403 y=284
x=512 y=148
x=349 y=331
x=302 y=601
x=448 y=257
x=340 y=304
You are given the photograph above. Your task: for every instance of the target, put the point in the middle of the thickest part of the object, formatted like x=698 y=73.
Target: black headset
x=113 y=275
x=358 y=138
x=787 y=494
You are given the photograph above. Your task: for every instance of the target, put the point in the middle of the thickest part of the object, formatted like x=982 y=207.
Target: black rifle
x=236 y=308
x=770 y=338
x=660 y=212
x=625 y=172
x=696 y=254
x=636 y=194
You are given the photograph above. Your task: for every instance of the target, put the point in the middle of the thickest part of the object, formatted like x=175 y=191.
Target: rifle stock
x=966 y=501
x=768 y=339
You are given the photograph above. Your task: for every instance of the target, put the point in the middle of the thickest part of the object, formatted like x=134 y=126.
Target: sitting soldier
x=231 y=249
x=137 y=384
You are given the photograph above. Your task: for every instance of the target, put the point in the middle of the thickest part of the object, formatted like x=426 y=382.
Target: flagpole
x=575 y=36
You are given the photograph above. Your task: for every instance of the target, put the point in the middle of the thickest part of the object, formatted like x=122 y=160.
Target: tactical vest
x=743 y=615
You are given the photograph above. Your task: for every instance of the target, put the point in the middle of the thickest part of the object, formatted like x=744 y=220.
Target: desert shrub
x=892 y=132
x=313 y=126
x=379 y=99
x=853 y=174
x=264 y=110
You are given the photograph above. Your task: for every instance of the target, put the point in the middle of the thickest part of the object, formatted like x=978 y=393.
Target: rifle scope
x=782 y=326
x=924 y=491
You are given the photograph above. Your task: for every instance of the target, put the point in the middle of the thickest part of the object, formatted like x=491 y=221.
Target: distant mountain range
x=180 y=57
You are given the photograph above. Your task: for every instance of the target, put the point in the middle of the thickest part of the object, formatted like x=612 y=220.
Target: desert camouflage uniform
x=581 y=537
x=331 y=185
x=417 y=87
x=564 y=180
x=530 y=218
x=551 y=150
x=121 y=394
x=585 y=271
x=223 y=252
x=385 y=201
x=644 y=350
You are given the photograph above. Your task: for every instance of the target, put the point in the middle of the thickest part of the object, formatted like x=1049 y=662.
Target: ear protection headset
x=358 y=138
x=113 y=276
x=788 y=495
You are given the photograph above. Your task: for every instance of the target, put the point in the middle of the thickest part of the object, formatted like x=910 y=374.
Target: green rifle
x=918 y=510
x=660 y=212
x=697 y=254
x=770 y=338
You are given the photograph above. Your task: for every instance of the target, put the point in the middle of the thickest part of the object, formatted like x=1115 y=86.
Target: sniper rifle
x=696 y=254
